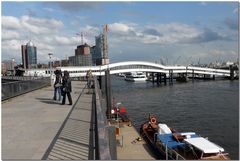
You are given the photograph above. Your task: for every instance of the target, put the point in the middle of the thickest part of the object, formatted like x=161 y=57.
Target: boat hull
x=150 y=136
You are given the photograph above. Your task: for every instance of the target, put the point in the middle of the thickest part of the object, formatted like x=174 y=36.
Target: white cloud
x=119 y=27
x=9 y=34
x=10 y=22
x=40 y=25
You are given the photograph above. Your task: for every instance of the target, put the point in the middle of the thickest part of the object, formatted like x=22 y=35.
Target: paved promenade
x=35 y=126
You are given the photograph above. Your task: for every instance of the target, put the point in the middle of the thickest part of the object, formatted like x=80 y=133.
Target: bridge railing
x=13 y=89
x=101 y=128
x=20 y=78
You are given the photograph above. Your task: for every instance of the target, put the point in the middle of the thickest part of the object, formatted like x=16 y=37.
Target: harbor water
x=209 y=108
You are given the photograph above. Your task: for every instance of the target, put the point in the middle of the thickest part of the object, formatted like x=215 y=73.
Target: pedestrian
x=66 y=88
x=57 y=85
x=89 y=77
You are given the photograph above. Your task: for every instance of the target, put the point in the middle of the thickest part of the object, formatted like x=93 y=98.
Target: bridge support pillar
x=158 y=75
x=165 y=78
x=213 y=77
x=108 y=93
x=193 y=75
x=171 y=77
x=153 y=78
x=231 y=72
x=160 y=78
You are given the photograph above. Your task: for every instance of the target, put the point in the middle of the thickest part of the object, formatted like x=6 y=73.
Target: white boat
x=135 y=76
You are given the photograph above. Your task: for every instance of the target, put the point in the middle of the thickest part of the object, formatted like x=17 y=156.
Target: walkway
x=74 y=140
x=31 y=123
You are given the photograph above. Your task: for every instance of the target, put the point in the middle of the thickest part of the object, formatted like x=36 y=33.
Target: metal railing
x=13 y=89
x=101 y=127
x=20 y=78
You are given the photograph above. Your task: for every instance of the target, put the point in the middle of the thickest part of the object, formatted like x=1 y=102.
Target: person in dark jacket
x=66 y=88
x=57 y=85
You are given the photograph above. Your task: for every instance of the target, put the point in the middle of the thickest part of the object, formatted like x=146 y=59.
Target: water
x=209 y=108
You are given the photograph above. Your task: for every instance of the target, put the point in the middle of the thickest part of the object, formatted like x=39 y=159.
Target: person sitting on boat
x=153 y=122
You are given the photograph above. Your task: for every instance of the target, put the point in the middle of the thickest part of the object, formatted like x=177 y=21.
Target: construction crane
x=105 y=55
x=81 y=35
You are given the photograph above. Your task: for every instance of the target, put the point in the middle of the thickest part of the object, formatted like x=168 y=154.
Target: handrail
x=102 y=143
x=13 y=89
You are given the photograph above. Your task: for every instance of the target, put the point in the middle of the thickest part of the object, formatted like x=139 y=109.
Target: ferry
x=135 y=76
x=180 y=145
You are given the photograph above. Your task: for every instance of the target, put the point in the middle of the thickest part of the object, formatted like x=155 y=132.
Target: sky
x=166 y=32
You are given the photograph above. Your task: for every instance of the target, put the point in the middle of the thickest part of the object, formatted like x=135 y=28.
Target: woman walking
x=66 y=88
x=57 y=85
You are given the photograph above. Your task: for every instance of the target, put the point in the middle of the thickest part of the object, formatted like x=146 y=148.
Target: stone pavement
x=75 y=140
x=30 y=122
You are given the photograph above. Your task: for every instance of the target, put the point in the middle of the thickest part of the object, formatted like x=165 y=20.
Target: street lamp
x=50 y=57
x=12 y=67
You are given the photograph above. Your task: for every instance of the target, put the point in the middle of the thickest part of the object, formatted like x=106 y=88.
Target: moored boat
x=135 y=76
x=180 y=145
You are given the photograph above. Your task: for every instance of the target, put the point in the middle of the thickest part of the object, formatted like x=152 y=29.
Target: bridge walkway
x=33 y=122
x=74 y=140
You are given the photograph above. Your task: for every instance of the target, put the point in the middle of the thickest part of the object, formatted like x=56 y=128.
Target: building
x=64 y=62
x=72 y=60
x=94 y=56
x=24 y=56
x=29 y=56
x=8 y=67
x=99 y=57
x=83 y=60
x=57 y=63
x=82 y=56
x=82 y=49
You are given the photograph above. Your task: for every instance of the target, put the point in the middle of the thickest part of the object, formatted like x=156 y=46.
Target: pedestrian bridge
x=142 y=66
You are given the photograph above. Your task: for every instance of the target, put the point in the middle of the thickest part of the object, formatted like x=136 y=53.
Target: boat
x=176 y=145
x=135 y=76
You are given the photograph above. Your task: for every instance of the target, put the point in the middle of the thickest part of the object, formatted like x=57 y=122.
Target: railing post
x=108 y=92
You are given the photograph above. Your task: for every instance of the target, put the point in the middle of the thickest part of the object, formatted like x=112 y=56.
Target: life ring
x=153 y=120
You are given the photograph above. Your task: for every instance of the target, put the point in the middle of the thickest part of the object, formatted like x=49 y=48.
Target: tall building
x=98 y=54
x=82 y=56
x=29 y=56
x=82 y=49
x=99 y=57
x=24 y=56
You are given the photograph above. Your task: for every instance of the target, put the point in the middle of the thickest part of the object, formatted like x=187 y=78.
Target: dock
x=129 y=147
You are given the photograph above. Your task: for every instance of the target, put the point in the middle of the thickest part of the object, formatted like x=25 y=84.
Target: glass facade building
x=29 y=56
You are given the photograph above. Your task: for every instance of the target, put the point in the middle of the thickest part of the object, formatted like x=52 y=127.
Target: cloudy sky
x=170 y=32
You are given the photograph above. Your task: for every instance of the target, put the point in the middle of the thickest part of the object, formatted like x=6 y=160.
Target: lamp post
x=12 y=67
x=50 y=57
